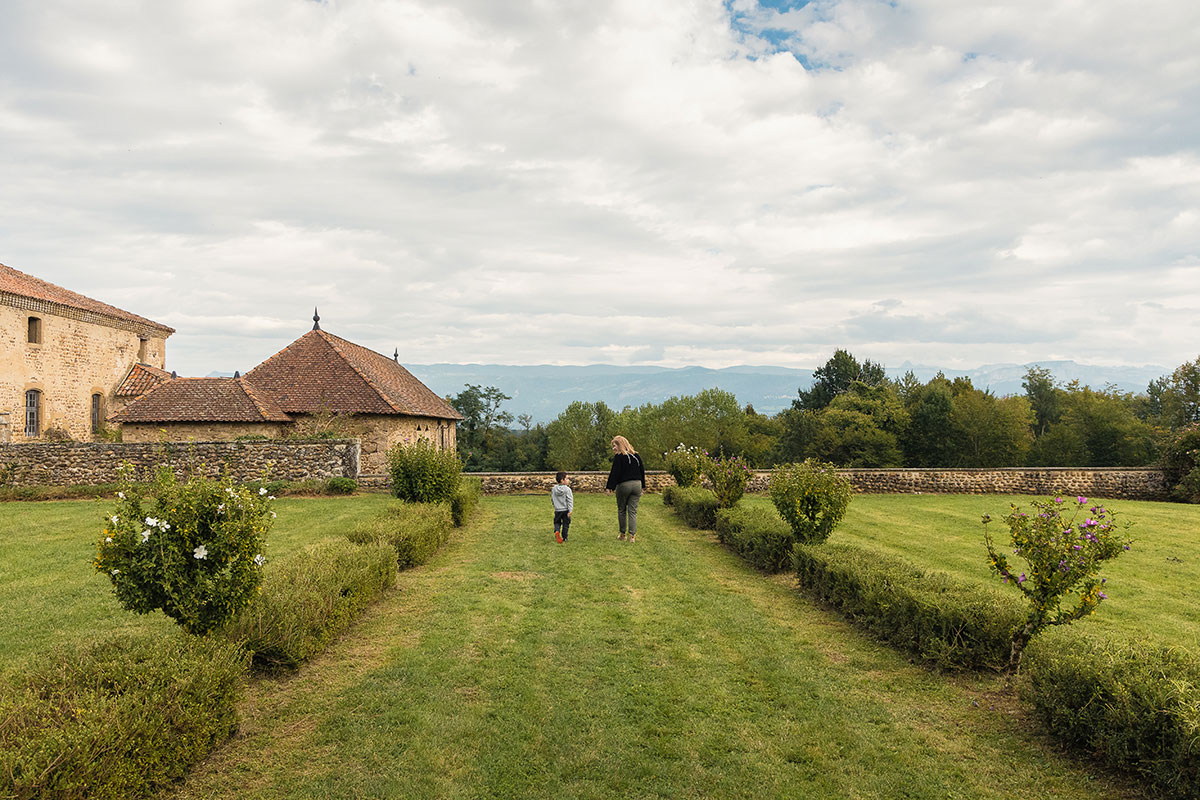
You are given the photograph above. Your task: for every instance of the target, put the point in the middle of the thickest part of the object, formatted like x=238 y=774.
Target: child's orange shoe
x=558 y=536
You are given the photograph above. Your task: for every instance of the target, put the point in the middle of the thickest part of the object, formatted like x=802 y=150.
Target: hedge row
x=696 y=506
x=930 y=614
x=465 y=499
x=1133 y=704
x=758 y=535
x=122 y=719
x=414 y=531
x=309 y=599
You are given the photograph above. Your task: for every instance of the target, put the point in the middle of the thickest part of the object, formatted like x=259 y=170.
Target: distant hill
x=544 y=391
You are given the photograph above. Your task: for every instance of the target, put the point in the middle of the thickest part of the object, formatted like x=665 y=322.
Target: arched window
x=33 y=413
x=97 y=416
x=35 y=330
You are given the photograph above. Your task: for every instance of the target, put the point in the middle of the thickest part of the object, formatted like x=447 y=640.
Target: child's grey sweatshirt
x=562 y=498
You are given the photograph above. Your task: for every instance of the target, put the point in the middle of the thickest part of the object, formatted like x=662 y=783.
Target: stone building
x=65 y=356
x=315 y=379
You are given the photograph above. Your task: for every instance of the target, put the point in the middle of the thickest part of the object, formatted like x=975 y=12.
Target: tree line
x=854 y=416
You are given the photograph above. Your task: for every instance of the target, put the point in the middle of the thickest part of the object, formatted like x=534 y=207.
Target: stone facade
x=1128 y=483
x=80 y=354
x=76 y=463
x=197 y=431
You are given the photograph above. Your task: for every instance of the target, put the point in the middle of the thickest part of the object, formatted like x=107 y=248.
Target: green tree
x=483 y=424
x=579 y=437
x=1097 y=429
x=837 y=377
x=711 y=420
x=1045 y=398
x=930 y=438
x=990 y=431
x=1181 y=396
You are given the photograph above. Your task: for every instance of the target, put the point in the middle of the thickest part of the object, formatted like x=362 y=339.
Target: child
x=564 y=503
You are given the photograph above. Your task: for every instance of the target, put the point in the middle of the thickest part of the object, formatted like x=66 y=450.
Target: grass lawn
x=512 y=667
x=51 y=594
x=1154 y=589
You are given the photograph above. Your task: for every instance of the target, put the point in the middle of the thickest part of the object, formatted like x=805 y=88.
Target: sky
x=670 y=183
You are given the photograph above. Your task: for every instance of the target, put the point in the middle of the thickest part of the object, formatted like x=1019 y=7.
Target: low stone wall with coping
x=90 y=463
x=1126 y=483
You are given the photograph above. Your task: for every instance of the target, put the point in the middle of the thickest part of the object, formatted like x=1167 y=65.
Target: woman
x=628 y=478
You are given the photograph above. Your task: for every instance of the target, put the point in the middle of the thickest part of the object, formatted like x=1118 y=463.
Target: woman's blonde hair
x=623 y=446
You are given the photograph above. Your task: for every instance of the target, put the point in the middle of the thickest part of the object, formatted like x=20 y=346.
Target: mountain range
x=543 y=392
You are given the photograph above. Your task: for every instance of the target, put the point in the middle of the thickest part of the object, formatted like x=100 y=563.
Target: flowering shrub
x=421 y=473
x=811 y=497
x=1063 y=554
x=192 y=549
x=729 y=477
x=685 y=464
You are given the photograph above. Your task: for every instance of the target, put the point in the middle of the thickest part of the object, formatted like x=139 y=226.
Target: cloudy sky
x=660 y=182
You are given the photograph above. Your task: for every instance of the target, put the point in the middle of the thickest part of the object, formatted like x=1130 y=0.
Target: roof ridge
x=385 y=396
x=251 y=391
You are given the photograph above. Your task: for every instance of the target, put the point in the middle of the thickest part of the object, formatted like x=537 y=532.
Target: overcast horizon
x=678 y=183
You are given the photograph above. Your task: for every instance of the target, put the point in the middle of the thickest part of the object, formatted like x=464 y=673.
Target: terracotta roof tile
x=18 y=283
x=323 y=372
x=141 y=379
x=202 y=400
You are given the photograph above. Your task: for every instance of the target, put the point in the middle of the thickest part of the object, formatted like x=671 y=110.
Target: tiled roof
x=18 y=283
x=141 y=379
x=202 y=400
x=322 y=372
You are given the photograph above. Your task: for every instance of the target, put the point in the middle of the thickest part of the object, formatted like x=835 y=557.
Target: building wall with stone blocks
x=87 y=463
x=197 y=431
x=80 y=354
x=378 y=433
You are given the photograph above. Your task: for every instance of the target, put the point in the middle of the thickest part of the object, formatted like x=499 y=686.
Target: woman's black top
x=626 y=467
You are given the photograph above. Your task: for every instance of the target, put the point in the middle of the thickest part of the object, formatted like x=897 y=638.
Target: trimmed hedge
x=758 y=535
x=465 y=499
x=1133 y=704
x=696 y=506
x=414 y=530
x=122 y=719
x=668 y=495
x=309 y=599
x=950 y=624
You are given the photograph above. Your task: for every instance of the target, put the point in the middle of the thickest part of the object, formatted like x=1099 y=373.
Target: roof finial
x=236 y=374
x=316 y=320
x=174 y=374
x=396 y=355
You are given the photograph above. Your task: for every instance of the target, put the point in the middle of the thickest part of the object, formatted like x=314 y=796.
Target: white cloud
x=680 y=182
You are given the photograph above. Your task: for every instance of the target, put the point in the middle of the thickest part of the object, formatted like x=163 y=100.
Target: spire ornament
x=316 y=320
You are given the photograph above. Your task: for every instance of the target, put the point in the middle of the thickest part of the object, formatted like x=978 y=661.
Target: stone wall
x=1132 y=483
x=70 y=463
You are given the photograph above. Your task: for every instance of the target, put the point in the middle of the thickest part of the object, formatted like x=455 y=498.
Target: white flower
x=121 y=495
x=270 y=497
x=115 y=571
x=114 y=519
x=259 y=560
x=221 y=508
x=229 y=491
x=200 y=552
x=272 y=515
x=262 y=492
x=164 y=525
x=151 y=521
x=146 y=535
x=108 y=540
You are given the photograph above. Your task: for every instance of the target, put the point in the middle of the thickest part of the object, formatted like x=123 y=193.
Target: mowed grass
x=51 y=594
x=1153 y=589
x=512 y=667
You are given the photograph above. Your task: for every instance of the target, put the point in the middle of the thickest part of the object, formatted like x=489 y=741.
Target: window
x=35 y=330
x=142 y=345
x=97 y=419
x=33 y=408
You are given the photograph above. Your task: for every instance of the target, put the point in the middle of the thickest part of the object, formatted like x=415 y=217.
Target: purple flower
x=1022 y=578
x=1102 y=595
x=1058 y=499
x=1078 y=546
x=1082 y=501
